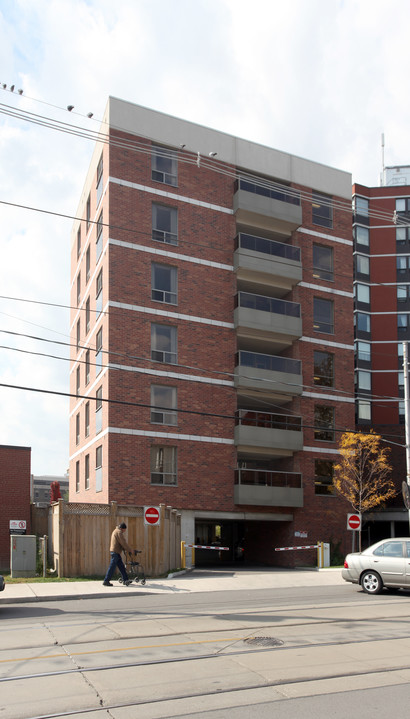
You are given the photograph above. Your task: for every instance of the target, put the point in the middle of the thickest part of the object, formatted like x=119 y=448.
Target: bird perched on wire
x=70 y=107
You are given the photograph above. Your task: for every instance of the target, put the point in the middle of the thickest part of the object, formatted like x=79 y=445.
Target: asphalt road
x=311 y=652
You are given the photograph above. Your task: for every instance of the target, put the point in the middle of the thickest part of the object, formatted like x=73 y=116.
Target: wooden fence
x=79 y=538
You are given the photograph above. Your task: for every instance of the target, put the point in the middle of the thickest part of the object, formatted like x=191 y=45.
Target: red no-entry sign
x=354 y=521
x=151 y=515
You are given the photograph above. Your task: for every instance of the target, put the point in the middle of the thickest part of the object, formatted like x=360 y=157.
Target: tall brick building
x=212 y=334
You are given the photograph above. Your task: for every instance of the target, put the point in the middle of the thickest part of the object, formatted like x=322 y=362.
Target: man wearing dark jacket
x=118 y=544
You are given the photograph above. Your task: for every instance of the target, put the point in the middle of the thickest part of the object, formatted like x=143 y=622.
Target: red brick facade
x=14 y=494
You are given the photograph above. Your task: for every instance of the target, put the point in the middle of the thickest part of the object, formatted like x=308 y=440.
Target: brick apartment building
x=14 y=494
x=382 y=322
x=212 y=333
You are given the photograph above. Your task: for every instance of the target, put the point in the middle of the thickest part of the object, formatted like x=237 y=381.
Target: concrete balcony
x=268 y=489
x=260 y=203
x=268 y=372
x=268 y=434
x=267 y=318
x=260 y=263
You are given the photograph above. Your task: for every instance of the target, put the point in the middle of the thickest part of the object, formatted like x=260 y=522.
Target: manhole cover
x=264 y=642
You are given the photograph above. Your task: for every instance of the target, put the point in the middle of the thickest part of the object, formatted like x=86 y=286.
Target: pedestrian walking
x=118 y=544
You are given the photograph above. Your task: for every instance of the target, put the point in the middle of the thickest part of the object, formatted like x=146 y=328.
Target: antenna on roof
x=382 y=174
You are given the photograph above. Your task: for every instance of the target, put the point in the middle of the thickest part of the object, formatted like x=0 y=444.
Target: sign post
x=354 y=522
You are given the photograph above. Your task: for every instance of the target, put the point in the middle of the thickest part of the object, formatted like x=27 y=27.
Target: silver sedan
x=384 y=564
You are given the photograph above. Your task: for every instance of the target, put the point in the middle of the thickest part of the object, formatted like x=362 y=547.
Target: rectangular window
x=77 y=476
x=87 y=315
x=402 y=263
x=163 y=402
x=324 y=477
x=87 y=419
x=87 y=367
x=78 y=288
x=164 y=165
x=322 y=262
x=364 y=380
x=361 y=206
x=402 y=293
x=98 y=410
x=78 y=334
x=77 y=428
x=164 y=284
x=165 y=224
x=99 y=241
x=362 y=265
x=98 y=469
x=98 y=350
x=363 y=351
x=163 y=465
x=87 y=471
x=361 y=235
x=403 y=205
x=362 y=322
x=88 y=213
x=323 y=369
x=362 y=293
x=322 y=209
x=363 y=410
x=99 y=179
x=402 y=235
x=323 y=315
x=400 y=380
x=324 y=423
x=164 y=343
x=402 y=321
x=77 y=381
x=98 y=293
x=87 y=264
x=78 y=241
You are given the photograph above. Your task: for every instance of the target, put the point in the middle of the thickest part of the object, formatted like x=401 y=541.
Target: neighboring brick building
x=212 y=281
x=14 y=494
x=382 y=323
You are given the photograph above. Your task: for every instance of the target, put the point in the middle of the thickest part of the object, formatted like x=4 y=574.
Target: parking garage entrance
x=226 y=533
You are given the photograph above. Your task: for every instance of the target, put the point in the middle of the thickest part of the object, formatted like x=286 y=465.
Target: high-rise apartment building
x=212 y=361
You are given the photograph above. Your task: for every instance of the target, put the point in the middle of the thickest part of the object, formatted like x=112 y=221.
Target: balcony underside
x=257 y=271
x=268 y=496
x=256 y=324
x=266 y=441
x=268 y=381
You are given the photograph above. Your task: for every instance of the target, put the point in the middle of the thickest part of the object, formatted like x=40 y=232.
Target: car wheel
x=371 y=583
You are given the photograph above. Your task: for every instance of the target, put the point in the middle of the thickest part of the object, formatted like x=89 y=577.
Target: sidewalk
x=197 y=580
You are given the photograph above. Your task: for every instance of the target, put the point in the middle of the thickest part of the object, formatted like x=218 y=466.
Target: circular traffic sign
x=353 y=521
x=151 y=515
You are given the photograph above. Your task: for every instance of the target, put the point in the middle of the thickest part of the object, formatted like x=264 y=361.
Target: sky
x=321 y=79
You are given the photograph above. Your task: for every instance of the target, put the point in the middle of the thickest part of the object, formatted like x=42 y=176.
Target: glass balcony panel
x=269 y=362
x=267 y=247
x=268 y=304
x=267 y=189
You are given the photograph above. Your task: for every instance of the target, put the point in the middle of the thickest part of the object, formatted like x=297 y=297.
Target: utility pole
x=407 y=414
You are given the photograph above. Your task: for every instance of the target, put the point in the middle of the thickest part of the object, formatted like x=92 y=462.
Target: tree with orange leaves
x=363 y=475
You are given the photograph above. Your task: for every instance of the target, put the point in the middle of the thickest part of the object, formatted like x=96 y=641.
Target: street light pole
x=407 y=414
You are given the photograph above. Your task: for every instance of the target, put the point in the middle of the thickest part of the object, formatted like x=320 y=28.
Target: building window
x=361 y=235
x=163 y=404
x=98 y=469
x=163 y=465
x=402 y=413
x=164 y=284
x=99 y=242
x=87 y=315
x=78 y=288
x=77 y=428
x=78 y=242
x=87 y=264
x=362 y=293
x=323 y=369
x=364 y=380
x=99 y=179
x=362 y=322
x=164 y=343
x=402 y=263
x=77 y=476
x=164 y=165
x=403 y=205
x=77 y=381
x=322 y=210
x=165 y=224
x=98 y=410
x=362 y=265
x=361 y=206
x=323 y=315
x=98 y=350
x=324 y=477
x=78 y=334
x=400 y=379
x=88 y=213
x=87 y=419
x=402 y=322
x=87 y=367
x=322 y=262
x=98 y=293
x=363 y=351
x=363 y=410
x=324 y=423
x=87 y=471
x=402 y=235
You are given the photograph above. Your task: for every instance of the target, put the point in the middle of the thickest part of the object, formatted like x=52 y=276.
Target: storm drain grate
x=264 y=642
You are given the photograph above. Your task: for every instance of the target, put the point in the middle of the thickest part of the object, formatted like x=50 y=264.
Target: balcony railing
x=267 y=304
x=273 y=363
x=268 y=420
x=267 y=247
x=266 y=189
x=267 y=478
